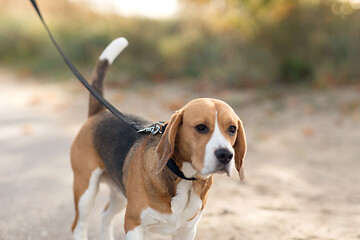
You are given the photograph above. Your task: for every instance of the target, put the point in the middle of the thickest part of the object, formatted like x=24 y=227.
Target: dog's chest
x=186 y=211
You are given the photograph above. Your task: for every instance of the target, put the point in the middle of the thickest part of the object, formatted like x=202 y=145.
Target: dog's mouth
x=218 y=168
x=224 y=169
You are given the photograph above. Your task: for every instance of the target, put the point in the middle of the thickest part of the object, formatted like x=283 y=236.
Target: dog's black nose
x=223 y=155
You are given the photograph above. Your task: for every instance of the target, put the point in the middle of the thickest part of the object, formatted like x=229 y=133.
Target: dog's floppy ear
x=166 y=146
x=240 y=150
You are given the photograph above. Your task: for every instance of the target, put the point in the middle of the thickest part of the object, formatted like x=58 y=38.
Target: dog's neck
x=187 y=168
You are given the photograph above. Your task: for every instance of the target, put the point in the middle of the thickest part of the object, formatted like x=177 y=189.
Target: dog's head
x=208 y=134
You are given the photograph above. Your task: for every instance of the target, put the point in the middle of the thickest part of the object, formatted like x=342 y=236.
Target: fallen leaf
x=308 y=131
x=27 y=129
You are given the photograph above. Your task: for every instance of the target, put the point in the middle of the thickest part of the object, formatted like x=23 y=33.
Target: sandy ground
x=302 y=167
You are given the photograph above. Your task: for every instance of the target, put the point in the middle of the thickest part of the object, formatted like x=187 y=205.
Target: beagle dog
x=203 y=137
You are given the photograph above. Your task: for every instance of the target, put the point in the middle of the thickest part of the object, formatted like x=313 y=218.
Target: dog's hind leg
x=116 y=204
x=84 y=200
x=88 y=170
x=185 y=233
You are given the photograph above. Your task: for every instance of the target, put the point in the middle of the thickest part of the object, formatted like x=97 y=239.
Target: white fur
x=85 y=203
x=184 y=234
x=114 y=49
x=136 y=234
x=188 y=170
x=216 y=141
x=184 y=206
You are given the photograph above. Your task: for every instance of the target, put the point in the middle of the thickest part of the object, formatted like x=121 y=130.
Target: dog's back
x=112 y=140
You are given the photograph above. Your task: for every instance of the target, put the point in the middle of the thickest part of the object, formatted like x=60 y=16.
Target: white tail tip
x=114 y=49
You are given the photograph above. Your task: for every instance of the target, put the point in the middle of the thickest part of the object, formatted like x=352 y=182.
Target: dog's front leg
x=187 y=233
x=137 y=233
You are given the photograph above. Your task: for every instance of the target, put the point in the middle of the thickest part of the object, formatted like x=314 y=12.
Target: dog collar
x=176 y=170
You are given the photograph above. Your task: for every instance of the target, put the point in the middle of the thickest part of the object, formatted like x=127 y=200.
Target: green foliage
x=243 y=43
x=311 y=42
x=294 y=70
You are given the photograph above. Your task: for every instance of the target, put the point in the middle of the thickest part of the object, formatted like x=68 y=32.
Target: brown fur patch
x=135 y=186
x=201 y=188
x=84 y=160
x=144 y=187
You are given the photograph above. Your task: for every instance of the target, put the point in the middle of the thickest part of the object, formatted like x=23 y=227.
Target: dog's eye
x=202 y=128
x=232 y=130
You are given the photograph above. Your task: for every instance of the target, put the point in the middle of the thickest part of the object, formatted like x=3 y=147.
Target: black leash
x=108 y=105
x=158 y=127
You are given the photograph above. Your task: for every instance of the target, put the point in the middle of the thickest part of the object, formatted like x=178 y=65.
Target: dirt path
x=302 y=167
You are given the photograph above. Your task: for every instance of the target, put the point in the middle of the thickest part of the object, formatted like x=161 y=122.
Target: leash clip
x=153 y=129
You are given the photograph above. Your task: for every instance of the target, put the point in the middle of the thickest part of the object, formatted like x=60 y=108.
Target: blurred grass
x=246 y=43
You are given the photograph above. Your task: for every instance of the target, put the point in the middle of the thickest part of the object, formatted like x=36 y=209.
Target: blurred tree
x=227 y=42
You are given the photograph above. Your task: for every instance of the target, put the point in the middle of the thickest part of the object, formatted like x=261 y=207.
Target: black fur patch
x=113 y=139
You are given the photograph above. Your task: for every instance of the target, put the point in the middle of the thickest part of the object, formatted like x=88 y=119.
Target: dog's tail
x=97 y=78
